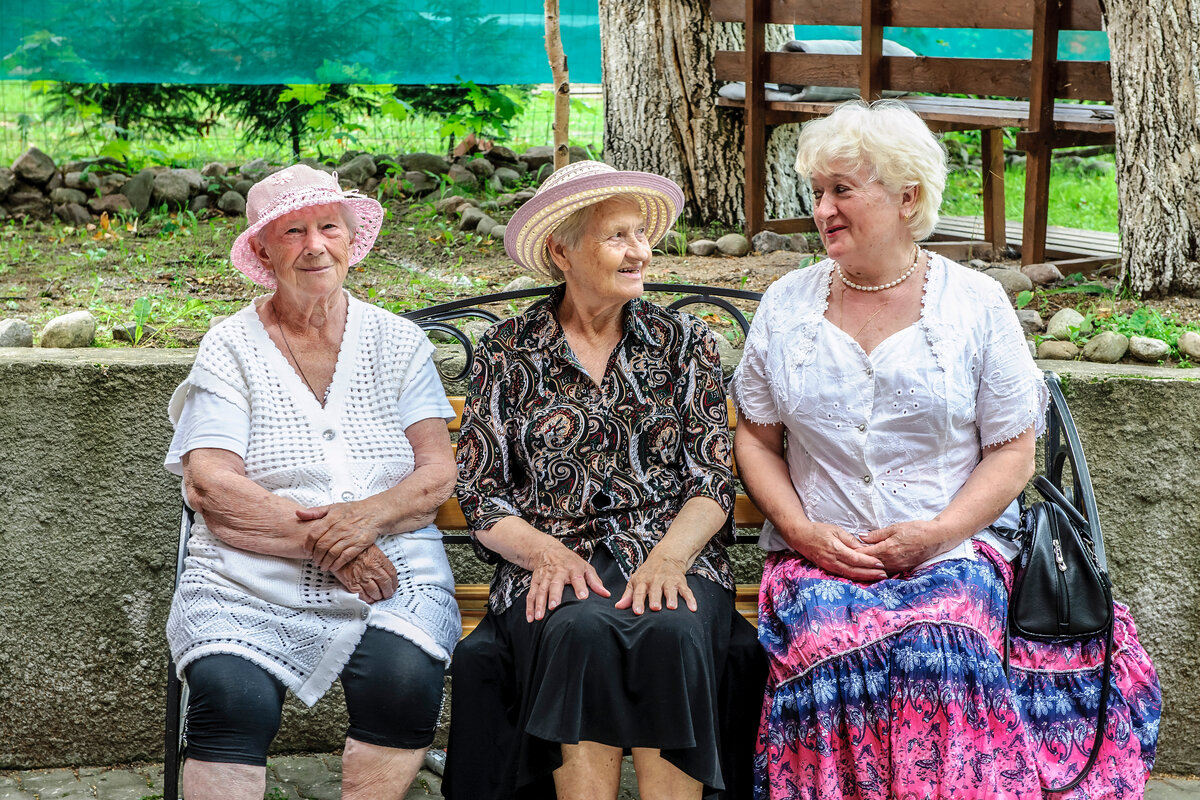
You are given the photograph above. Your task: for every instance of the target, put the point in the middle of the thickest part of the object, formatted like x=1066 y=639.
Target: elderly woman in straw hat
x=594 y=471
x=311 y=437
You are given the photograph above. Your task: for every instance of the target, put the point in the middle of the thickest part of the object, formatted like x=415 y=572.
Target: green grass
x=1080 y=196
x=23 y=122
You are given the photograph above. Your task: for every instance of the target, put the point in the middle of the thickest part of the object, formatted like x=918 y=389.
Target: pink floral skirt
x=897 y=690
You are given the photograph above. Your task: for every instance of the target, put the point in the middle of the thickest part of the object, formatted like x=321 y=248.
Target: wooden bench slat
x=473 y=597
x=1075 y=80
x=1077 y=15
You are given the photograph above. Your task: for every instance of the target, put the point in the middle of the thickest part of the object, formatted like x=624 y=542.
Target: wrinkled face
x=857 y=216
x=308 y=250
x=610 y=262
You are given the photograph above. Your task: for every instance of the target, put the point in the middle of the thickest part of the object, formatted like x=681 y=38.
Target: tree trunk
x=562 y=85
x=661 y=114
x=1156 y=91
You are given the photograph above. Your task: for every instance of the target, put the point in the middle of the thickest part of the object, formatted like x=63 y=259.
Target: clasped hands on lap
x=874 y=555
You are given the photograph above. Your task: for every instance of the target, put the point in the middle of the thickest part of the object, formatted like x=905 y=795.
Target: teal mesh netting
x=358 y=41
x=292 y=41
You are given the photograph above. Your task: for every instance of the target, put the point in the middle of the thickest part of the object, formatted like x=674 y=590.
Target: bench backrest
x=1041 y=78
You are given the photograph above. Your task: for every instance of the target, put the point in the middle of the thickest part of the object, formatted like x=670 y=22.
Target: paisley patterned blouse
x=595 y=465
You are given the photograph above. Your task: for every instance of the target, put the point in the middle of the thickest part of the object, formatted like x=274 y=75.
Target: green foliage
x=486 y=111
x=1147 y=322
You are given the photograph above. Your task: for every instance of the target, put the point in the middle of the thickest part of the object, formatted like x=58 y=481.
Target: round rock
x=171 y=190
x=1042 y=274
x=733 y=244
x=15 y=333
x=519 y=283
x=1107 y=347
x=76 y=329
x=232 y=202
x=498 y=232
x=426 y=162
x=1061 y=324
x=470 y=218
x=1012 y=280
x=138 y=190
x=702 y=247
x=63 y=195
x=73 y=214
x=673 y=243
x=1145 y=348
x=462 y=176
x=508 y=177
x=1031 y=321
x=34 y=166
x=485 y=225
x=770 y=242
x=358 y=169
x=1189 y=344
x=1057 y=351
x=110 y=204
x=481 y=167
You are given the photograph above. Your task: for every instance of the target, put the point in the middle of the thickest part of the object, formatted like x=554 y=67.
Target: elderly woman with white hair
x=311 y=436
x=594 y=471
x=889 y=408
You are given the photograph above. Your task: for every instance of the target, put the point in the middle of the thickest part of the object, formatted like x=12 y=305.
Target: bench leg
x=1037 y=201
x=993 y=190
x=172 y=753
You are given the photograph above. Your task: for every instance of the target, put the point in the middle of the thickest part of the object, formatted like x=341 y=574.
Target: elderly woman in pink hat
x=311 y=437
x=594 y=471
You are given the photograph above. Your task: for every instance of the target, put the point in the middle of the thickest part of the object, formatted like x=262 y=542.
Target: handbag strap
x=1101 y=715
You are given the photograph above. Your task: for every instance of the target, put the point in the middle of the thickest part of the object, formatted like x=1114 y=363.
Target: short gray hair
x=569 y=232
x=892 y=142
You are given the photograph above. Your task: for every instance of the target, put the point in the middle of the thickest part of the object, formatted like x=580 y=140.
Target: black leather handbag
x=1061 y=589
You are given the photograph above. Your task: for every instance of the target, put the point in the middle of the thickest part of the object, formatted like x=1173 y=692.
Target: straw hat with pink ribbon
x=291 y=189
x=576 y=186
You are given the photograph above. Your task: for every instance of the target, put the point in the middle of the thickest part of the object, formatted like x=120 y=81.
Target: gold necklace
x=295 y=360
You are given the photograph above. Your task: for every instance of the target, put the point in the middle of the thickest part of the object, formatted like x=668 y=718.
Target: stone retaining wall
x=88 y=522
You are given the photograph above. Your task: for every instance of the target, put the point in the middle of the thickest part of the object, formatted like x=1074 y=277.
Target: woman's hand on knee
x=555 y=566
x=660 y=578
x=370 y=575
x=837 y=552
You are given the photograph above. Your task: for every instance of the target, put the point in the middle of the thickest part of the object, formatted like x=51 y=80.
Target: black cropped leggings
x=393 y=695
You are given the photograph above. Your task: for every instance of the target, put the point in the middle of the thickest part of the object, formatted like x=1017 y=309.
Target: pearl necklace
x=880 y=288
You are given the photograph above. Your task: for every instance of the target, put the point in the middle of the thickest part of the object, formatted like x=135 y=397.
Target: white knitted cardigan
x=286 y=615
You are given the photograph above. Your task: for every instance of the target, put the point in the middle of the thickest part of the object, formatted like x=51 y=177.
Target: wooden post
x=870 y=71
x=562 y=86
x=993 y=190
x=1040 y=136
x=755 y=117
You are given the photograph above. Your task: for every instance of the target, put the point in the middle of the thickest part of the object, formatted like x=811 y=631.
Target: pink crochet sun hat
x=581 y=184
x=288 y=190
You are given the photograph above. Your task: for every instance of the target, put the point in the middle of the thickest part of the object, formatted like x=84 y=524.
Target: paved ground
x=317 y=778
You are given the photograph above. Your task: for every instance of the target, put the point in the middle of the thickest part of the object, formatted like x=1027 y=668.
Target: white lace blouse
x=889 y=437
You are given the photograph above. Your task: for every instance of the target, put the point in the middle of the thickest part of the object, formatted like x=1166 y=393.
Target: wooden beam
x=1081 y=15
x=794 y=225
x=959 y=250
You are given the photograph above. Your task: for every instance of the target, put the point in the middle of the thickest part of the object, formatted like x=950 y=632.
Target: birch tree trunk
x=1156 y=91
x=562 y=85
x=661 y=114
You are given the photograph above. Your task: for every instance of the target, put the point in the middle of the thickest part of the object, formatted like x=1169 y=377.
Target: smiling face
x=308 y=250
x=609 y=264
x=857 y=217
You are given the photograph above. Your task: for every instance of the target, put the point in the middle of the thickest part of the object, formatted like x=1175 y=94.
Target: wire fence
x=26 y=119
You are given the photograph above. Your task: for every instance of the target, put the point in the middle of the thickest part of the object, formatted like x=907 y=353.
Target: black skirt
x=687 y=683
